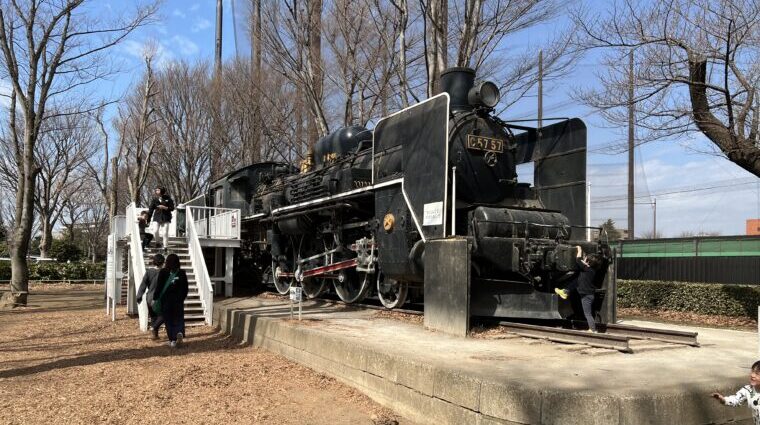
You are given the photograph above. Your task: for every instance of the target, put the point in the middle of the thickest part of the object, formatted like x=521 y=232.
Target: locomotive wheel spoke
x=352 y=286
x=281 y=283
x=392 y=293
x=314 y=286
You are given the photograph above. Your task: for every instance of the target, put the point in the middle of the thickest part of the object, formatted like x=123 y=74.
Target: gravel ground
x=63 y=362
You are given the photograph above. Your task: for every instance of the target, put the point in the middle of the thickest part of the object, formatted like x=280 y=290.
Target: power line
x=734 y=186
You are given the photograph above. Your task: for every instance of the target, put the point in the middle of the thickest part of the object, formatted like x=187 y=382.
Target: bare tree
x=182 y=108
x=696 y=70
x=292 y=36
x=436 y=21
x=104 y=171
x=49 y=49
x=64 y=146
x=137 y=127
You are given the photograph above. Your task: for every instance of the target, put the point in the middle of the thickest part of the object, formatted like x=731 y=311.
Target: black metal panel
x=447 y=286
x=560 y=167
x=731 y=270
x=516 y=300
x=395 y=244
x=419 y=135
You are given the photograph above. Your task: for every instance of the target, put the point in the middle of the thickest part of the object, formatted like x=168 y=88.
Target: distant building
x=753 y=227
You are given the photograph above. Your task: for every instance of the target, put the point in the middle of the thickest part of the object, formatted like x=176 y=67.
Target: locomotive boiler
x=356 y=217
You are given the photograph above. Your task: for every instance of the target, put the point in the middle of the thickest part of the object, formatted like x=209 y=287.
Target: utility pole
x=218 y=53
x=654 y=204
x=215 y=140
x=631 y=164
x=540 y=91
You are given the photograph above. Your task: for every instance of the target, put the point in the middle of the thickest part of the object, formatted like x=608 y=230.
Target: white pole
x=453 y=201
x=588 y=211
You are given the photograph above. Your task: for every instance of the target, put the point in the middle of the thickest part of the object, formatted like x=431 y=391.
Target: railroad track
x=614 y=337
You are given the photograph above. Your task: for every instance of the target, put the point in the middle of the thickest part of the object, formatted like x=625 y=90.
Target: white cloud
x=184 y=45
x=178 y=13
x=200 y=25
x=195 y=7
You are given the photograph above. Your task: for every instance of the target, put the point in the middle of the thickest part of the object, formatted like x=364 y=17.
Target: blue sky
x=186 y=31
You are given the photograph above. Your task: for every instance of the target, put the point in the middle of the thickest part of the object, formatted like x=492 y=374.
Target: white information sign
x=433 y=214
x=295 y=294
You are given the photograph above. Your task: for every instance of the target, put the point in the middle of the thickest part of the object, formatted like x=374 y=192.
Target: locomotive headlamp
x=484 y=93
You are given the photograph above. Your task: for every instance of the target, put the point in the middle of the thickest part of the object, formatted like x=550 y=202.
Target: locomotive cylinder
x=517 y=223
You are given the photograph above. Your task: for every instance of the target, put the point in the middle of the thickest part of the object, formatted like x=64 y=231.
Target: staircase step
x=195 y=316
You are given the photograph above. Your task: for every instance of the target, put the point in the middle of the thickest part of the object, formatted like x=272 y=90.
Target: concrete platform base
x=432 y=378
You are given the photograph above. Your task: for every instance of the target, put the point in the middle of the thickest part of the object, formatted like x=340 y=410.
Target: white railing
x=113 y=264
x=111 y=278
x=213 y=223
x=137 y=265
x=205 y=289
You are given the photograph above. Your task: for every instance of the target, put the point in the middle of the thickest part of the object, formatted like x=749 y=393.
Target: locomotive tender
x=357 y=215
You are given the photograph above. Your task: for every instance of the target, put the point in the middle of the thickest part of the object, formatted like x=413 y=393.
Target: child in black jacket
x=583 y=284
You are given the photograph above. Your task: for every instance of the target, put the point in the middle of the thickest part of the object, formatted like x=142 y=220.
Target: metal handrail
x=217 y=223
x=138 y=263
x=203 y=281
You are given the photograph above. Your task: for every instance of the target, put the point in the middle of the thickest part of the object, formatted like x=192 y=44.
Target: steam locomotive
x=355 y=218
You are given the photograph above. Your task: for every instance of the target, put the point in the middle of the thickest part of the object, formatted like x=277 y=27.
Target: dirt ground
x=62 y=361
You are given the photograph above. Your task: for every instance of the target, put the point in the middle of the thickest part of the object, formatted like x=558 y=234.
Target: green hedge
x=711 y=298
x=58 y=271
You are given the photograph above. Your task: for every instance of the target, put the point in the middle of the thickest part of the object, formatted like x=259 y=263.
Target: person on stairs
x=148 y=288
x=143 y=223
x=161 y=207
x=170 y=304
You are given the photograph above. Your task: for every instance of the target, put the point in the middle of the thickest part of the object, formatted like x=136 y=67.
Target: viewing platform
x=433 y=378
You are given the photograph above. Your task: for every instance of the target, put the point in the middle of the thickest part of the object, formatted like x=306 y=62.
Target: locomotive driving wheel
x=281 y=283
x=391 y=292
x=313 y=286
x=352 y=286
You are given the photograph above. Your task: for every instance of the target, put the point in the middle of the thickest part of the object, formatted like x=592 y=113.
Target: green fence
x=716 y=246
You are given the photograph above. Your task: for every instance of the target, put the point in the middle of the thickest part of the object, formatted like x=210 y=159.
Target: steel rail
x=382 y=308
x=664 y=335
x=569 y=336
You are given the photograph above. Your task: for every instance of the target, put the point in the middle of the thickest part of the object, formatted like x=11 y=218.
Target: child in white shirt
x=749 y=393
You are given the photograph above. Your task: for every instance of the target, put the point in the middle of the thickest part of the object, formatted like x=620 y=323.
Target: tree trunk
x=256 y=57
x=403 y=22
x=470 y=28
x=316 y=126
x=740 y=151
x=47 y=236
x=113 y=196
x=437 y=45
x=24 y=220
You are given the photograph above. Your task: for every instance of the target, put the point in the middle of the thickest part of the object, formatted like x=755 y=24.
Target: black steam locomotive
x=356 y=217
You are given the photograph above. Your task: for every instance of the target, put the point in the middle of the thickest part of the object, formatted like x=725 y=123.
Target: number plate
x=487 y=144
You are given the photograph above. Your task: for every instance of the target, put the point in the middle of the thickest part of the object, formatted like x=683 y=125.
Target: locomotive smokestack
x=457 y=82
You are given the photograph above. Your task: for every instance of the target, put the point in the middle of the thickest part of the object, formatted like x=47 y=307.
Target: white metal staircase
x=194 y=312
x=203 y=226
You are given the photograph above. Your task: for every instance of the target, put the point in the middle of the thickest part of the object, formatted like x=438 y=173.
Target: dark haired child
x=583 y=284
x=145 y=236
x=748 y=393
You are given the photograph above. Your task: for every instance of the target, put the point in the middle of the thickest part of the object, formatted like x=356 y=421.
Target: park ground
x=62 y=361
